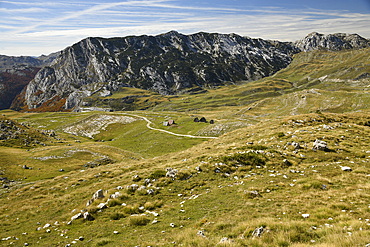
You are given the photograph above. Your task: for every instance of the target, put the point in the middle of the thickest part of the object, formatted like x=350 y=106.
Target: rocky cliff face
x=167 y=63
x=16 y=73
x=332 y=42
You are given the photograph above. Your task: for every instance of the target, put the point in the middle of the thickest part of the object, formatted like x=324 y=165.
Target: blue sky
x=35 y=27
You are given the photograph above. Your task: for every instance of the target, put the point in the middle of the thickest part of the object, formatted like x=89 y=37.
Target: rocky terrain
x=168 y=64
x=285 y=162
x=16 y=73
x=332 y=42
x=171 y=63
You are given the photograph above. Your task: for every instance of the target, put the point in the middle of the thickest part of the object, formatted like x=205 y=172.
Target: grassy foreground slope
x=223 y=189
x=260 y=183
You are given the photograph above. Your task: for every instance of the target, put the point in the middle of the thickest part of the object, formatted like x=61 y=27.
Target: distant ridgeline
x=170 y=63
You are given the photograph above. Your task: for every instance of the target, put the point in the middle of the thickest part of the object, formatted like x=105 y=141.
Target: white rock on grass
x=98 y=194
x=102 y=205
x=305 y=216
x=346 y=168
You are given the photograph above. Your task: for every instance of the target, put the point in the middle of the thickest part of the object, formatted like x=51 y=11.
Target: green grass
x=250 y=176
x=216 y=211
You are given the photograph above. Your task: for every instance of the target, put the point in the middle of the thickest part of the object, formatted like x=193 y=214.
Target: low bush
x=139 y=220
x=153 y=205
x=244 y=159
x=131 y=210
x=114 y=202
x=157 y=174
x=116 y=216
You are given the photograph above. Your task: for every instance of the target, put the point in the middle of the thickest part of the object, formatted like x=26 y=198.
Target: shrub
x=103 y=242
x=131 y=210
x=153 y=205
x=315 y=184
x=280 y=134
x=112 y=203
x=245 y=159
x=139 y=220
x=158 y=174
x=116 y=216
x=257 y=147
x=183 y=175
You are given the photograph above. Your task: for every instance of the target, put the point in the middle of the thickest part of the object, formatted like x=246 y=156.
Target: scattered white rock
x=346 y=168
x=225 y=240
x=88 y=216
x=320 y=145
x=102 y=205
x=305 y=216
x=171 y=172
x=47 y=225
x=98 y=194
x=201 y=233
x=258 y=231
x=76 y=216
x=172 y=225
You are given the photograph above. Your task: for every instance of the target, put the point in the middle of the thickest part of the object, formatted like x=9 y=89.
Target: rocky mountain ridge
x=168 y=64
x=16 y=73
x=332 y=42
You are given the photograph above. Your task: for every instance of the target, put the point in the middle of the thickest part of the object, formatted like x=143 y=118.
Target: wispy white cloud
x=21 y=10
x=51 y=32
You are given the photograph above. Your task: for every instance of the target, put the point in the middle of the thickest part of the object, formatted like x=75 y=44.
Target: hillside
x=16 y=73
x=168 y=64
x=284 y=162
x=299 y=196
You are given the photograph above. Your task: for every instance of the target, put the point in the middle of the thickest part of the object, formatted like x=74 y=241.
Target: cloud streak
x=48 y=32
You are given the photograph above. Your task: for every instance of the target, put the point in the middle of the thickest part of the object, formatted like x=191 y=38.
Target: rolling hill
x=289 y=165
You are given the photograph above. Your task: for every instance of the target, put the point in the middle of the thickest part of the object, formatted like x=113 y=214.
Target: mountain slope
x=16 y=73
x=167 y=64
x=223 y=189
x=276 y=180
x=333 y=42
x=170 y=63
x=340 y=77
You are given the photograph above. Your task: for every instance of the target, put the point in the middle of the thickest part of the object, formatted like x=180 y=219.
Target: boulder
x=102 y=205
x=320 y=145
x=88 y=216
x=171 y=172
x=346 y=168
x=258 y=231
x=305 y=216
x=225 y=240
x=77 y=216
x=132 y=187
x=253 y=194
x=98 y=194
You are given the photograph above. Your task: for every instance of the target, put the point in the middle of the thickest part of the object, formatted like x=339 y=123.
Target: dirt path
x=168 y=132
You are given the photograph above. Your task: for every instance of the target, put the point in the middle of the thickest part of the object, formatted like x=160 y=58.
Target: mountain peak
x=333 y=42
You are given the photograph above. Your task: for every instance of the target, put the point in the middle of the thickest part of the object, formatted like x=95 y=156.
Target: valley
x=285 y=162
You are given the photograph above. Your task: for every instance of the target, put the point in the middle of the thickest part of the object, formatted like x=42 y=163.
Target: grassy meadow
x=261 y=182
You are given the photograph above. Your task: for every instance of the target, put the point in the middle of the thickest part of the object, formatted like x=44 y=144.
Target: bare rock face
x=16 y=73
x=168 y=64
x=332 y=42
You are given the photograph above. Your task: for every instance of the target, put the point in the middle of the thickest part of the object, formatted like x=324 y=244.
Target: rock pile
x=320 y=145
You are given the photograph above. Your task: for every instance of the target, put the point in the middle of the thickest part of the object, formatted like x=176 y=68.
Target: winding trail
x=166 y=131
